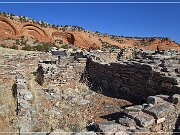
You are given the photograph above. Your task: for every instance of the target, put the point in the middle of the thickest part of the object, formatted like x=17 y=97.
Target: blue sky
x=142 y=20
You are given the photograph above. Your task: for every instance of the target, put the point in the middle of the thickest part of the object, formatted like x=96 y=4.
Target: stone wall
x=106 y=56
x=113 y=55
x=24 y=99
x=133 y=80
x=153 y=78
x=62 y=74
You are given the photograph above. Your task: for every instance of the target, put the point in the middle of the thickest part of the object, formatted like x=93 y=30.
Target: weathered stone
x=19 y=76
x=83 y=102
x=126 y=122
x=139 y=131
x=86 y=133
x=28 y=96
x=135 y=108
x=172 y=80
x=164 y=97
x=20 y=86
x=154 y=100
x=160 y=120
x=133 y=111
x=161 y=110
x=24 y=105
x=121 y=133
x=109 y=127
x=176 y=98
x=156 y=128
x=39 y=133
x=144 y=120
x=61 y=132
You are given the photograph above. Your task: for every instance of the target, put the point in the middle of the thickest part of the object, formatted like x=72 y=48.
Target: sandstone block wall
x=62 y=74
x=131 y=80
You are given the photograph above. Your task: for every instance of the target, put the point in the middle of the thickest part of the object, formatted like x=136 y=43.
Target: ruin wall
x=132 y=80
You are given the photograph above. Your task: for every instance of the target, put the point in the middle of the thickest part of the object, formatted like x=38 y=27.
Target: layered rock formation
x=15 y=27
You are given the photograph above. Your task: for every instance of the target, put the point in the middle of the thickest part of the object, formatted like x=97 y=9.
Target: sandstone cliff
x=12 y=27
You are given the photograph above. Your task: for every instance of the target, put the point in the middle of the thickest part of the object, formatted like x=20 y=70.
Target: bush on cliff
x=15 y=47
x=65 y=46
x=27 y=48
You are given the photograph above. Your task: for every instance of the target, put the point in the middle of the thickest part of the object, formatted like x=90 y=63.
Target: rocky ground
x=67 y=107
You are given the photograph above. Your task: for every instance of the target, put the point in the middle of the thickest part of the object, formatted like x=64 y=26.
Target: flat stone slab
x=86 y=133
x=121 y=133
x=164 y=97
x=109 y=127
x=154 y=100
x=144 y=120
x=133 y=111
x=21 y=86
x=126 y=122
x=28 y=96
x=135 y=108
x=38 y=133
x=160 y=111
x=160 y=120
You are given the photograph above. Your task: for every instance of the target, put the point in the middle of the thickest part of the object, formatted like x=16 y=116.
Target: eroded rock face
x=11 y=28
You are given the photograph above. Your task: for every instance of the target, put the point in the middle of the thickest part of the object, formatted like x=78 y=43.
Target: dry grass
x=8 y=109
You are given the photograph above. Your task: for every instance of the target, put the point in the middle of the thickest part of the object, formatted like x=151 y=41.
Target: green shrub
x=110 y=47
x=4 y=46
x=15 y=47
x=27 y=48
x=65 y=46
x=44 y=47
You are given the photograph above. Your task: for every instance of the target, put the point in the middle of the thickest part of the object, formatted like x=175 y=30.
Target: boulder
x=160 y=111
x=144 y=120
x=154 y=100
x=28 y=96
x=160 y=120
x=126 y=122
x=109 y=127
x=21 y=86
x=133 y=111
x=176 y=98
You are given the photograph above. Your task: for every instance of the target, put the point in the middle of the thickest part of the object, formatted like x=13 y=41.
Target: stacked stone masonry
x=148 y=76
x=62 y=74
x=24 y=98
x=135 y=79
